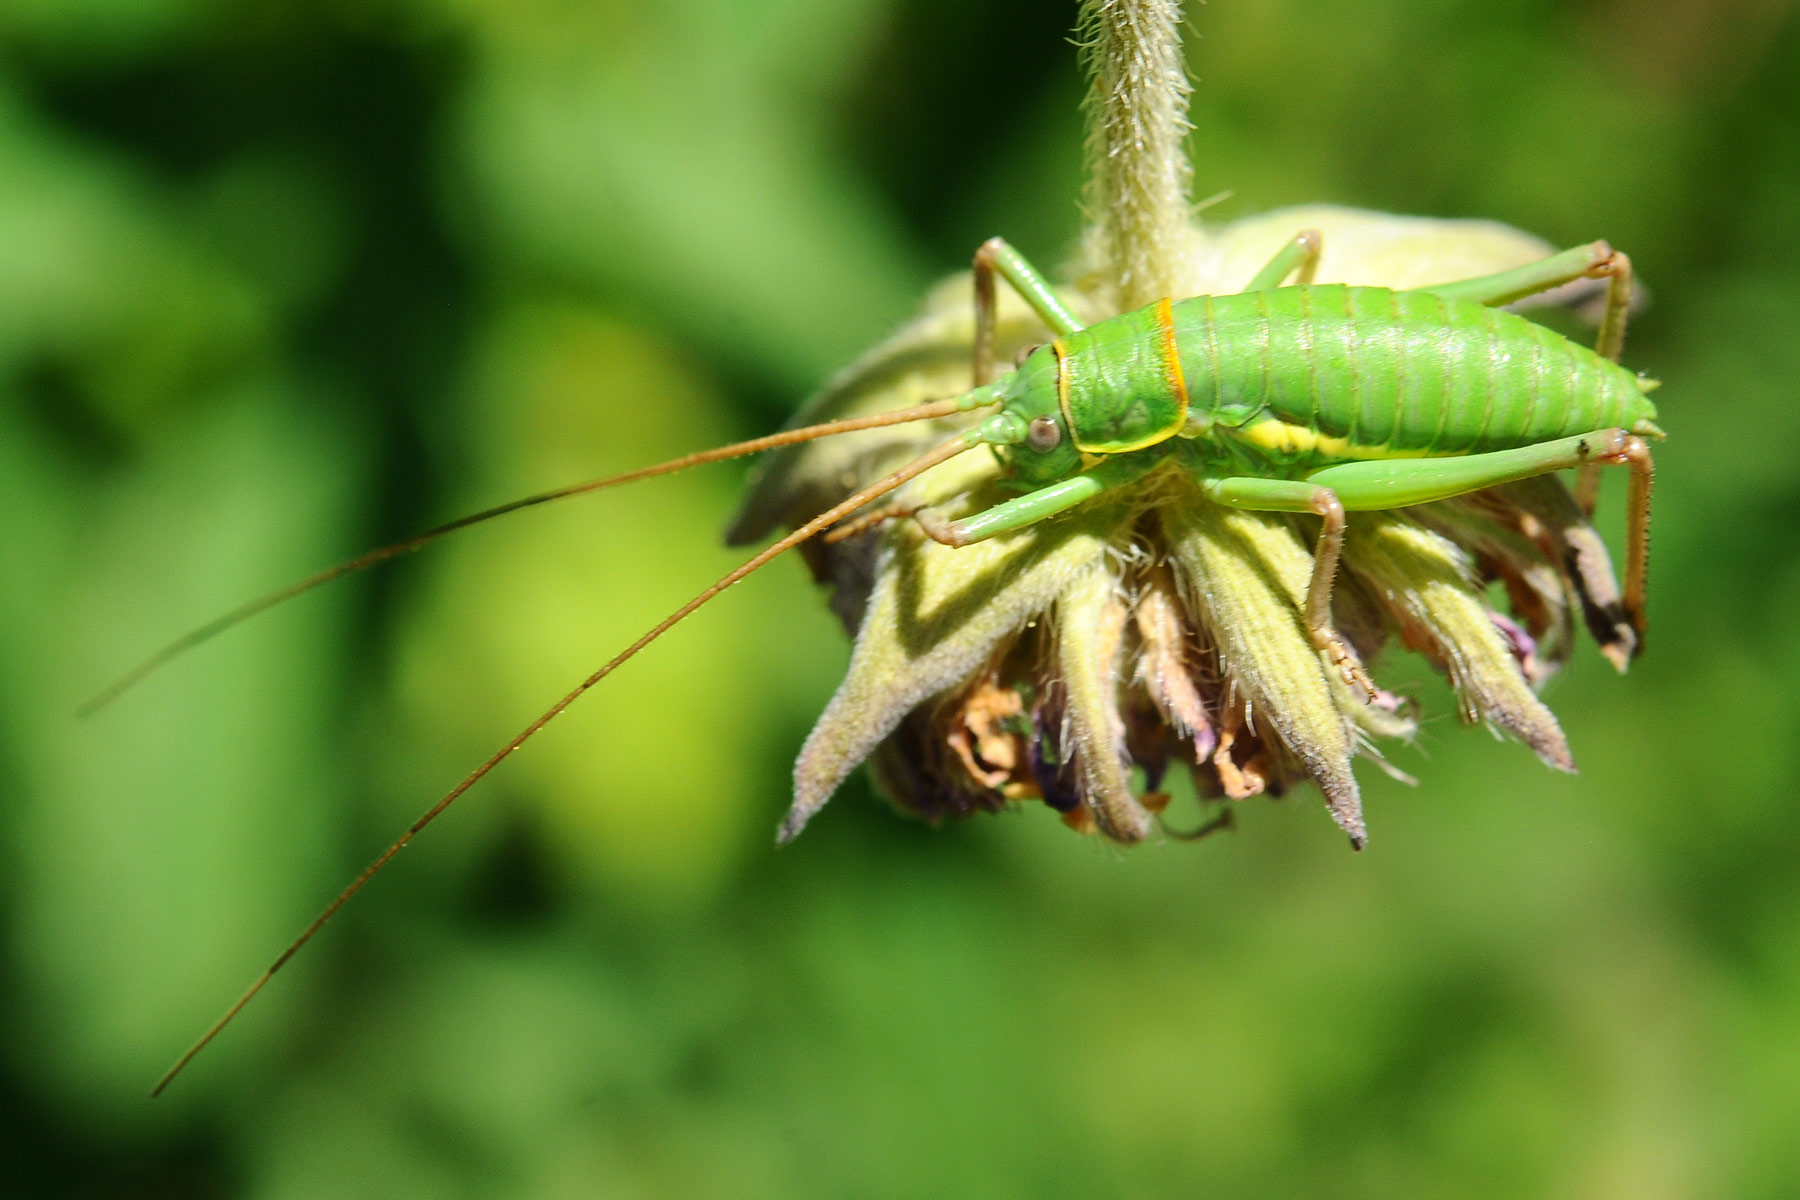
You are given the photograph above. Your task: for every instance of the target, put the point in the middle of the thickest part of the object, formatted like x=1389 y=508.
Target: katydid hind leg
x=1400 y=483
x=1587 y=489
x=1374 y=484
x=1611 y=342
x=1636 y=455
x=997 y=256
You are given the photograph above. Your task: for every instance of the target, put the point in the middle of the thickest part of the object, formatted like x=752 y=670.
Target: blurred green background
x=283 y=279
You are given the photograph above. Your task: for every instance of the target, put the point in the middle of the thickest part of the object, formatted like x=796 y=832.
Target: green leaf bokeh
x=280 y=281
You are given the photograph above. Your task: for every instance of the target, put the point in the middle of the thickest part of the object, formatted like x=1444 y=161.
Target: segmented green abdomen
x=1362 y=372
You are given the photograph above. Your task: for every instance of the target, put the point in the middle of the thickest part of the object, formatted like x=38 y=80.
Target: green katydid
x=1307 y=398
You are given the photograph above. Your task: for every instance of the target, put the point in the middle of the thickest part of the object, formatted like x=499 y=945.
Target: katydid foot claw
x=1355 y=676
x=938 y=528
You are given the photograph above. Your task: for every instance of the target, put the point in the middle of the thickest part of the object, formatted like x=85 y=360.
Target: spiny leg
x=1299 y=496
x=1636 y=455
x=1402 y=482
x=1300 y=258
x=997 y=255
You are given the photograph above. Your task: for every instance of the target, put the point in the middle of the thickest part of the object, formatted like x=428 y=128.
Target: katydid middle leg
x=1402 y=482
x=1299 y=258
x=1301 y=496
x=1596 y=260
x=1610 y=344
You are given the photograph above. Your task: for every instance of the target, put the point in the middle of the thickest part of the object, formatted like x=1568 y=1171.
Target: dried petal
x=1164 y=667
x=936 y=618
x=982 y=730
x=1551 y=514
x=1542 y=597
x=1523 y=647
x=1056 y=786
x=1247 y=573
x=1425 y=580
x=1241 y=763
x=1090 y=624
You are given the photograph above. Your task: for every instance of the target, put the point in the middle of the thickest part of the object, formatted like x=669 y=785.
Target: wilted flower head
x=1077 y=661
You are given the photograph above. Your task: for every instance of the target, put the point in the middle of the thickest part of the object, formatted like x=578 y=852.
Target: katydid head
x=1031 y=431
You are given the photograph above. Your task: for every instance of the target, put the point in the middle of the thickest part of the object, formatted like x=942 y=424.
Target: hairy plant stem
x=1139 y=177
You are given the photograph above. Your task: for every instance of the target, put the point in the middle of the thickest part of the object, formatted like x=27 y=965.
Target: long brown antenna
x=911 y=470
x=787 y=437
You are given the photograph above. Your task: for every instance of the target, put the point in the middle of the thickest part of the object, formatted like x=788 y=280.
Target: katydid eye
x=1043 y=434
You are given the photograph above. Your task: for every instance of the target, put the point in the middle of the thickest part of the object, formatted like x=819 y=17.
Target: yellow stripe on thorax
x=1165 y=321
x=1062 y=384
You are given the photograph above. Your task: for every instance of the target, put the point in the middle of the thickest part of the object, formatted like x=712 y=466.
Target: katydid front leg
x=1021 y=511
x=997 y=255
